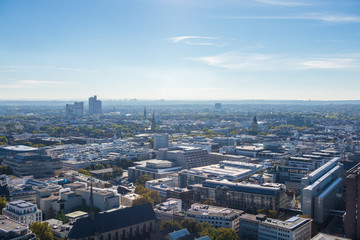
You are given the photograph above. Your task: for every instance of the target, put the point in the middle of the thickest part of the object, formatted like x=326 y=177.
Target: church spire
x=153 y=123
x=91 y=199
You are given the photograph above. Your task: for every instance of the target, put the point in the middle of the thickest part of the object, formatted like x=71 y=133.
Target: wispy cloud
x=330 y=18
x=267 y=62
x=19 y=84
x=198 y=40
x=287 y=3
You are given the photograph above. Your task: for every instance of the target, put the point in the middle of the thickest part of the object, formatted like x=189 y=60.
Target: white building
x=161 y=141
x=23 y=212
x=217 y=216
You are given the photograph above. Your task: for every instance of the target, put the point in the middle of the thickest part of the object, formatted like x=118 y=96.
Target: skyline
x=180 y=50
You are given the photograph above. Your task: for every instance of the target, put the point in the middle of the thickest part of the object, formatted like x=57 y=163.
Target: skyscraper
x=95 y=106
x=352 y=217
x=74 y=110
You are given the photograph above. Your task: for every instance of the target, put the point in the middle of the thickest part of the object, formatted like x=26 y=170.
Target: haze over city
x=188 y=49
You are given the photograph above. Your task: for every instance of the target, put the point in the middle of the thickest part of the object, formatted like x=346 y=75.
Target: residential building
x=23 y=212
x=95 y=105
x=74 y=110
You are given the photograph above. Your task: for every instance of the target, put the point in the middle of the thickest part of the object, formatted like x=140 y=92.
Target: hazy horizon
x=180 y=49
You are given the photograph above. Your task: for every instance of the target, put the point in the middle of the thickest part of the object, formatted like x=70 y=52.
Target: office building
x=352 y=217
x=245 y=196
x=186 y=157
x=322 y=190
x=74 y=110
x=25 y=164
x=262 y=228
x=161 y=141
x=216 y=216
x=95 y=105
x=230 y=170
x=23 y=212
x=11 y=229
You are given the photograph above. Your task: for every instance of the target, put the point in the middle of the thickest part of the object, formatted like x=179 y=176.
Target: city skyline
x=180 y=50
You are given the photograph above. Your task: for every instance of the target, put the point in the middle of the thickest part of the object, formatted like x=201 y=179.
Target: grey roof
x=109 y=221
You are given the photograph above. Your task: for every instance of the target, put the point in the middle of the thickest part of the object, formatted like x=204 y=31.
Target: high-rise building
x=161 y=141
x=74 y=110
x=352 y=217
x=95 y=105
x=254 y=125
x=23 y=212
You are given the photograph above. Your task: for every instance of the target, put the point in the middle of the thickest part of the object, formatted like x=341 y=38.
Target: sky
x=180 y=49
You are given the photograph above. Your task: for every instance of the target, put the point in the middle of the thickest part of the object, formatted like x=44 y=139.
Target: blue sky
x=180 y=49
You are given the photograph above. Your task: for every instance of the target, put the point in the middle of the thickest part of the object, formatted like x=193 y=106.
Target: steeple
x=153 y=123
x=145 y=113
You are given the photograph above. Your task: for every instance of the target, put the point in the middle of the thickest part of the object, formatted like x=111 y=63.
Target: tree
x=141 y=190
x=42 y=230
x=99 y=166
x=83 y=171
x=3 y=140
x=61 y=216
x=207 y=229
x=192 y=225
x=143 y=199
x=208 y=202
x=170 y=224
x=4 y=169
x=3 y=203
x=154 y=195
x=227 y=234
x=117 y=172
x=142 y=179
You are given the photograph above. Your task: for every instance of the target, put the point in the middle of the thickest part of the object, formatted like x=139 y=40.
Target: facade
x=245 y=196
x=139 y=222
x=74 y=110
x=25 y=164
x=216 y=216
x=168 y=210
x=322 y=190
x=161 y=141
x=352 y=217
x=11 y=229
x=186 y=157
x=95 y=105
x=23 y=212
x=262 y=228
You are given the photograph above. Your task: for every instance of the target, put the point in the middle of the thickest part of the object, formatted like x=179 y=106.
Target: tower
x=145 y=113
x=91 y=199
x=254 y=125
x=153 y=123
x=95 y=105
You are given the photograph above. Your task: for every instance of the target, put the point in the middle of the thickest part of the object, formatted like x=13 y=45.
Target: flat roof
x=76 y=214
x=8 y=225
x=19 y=148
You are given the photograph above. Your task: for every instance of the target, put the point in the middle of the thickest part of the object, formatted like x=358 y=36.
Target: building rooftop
x=76 y=214
x=21 y=204
x=19 y=148
x=8 y=225
x=202 y=209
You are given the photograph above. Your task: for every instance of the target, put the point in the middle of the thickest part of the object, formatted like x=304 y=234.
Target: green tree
x=154 y=195
x=207 y=229
x=227 y=234
x=61 y=216
x=3 y=203
x=143 y=199
x=170 y=224
x=142 y=179
x=99 y=166
x=3 y=140
x=4 y=169
x=42 y=230
x=117 y=172
x=139 y=189
x=208 y=202
x=192 y=225
x=83 y=171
